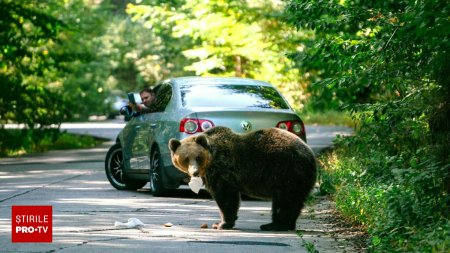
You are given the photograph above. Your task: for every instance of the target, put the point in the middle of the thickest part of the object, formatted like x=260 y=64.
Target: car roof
x=197 y=80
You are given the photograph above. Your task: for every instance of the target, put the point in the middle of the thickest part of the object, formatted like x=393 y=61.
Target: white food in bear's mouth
x=195 y=184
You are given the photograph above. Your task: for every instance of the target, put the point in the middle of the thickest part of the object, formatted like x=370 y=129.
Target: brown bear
x=268 y=164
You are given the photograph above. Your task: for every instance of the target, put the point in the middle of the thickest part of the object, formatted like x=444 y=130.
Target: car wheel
x=156 y=177
x=114 y=171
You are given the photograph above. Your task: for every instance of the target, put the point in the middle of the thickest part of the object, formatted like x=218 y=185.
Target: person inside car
x=148 y=97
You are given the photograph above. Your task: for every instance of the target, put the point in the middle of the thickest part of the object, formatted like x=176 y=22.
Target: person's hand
x=137 y=107
x=132 y=106
x=140 y=107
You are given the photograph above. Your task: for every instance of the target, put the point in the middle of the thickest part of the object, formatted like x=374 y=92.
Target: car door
x=136 y=146
x=144 y=129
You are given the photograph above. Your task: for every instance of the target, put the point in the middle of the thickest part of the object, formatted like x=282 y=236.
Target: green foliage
x=366 y=51
x=331 y=117
x=97 y=56
x=27 y=34
x=399 y=198
x=61 y=60
x=25 y=141
x=71 y=141
x=386 y=62
x=227 y=38
x=392 y=177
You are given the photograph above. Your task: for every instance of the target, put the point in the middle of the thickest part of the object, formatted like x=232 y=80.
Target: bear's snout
x=193 y=170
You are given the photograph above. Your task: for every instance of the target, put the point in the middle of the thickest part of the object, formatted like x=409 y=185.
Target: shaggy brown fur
x=268 y=164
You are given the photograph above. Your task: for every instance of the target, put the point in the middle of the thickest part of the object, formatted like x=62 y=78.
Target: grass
x=17 y=142
x=310 y=247
x=338 y=118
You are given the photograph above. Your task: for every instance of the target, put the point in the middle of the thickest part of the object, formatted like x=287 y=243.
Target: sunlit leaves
x=28 y=35
x=229 y=38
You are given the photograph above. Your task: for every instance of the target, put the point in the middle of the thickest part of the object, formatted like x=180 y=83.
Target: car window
x=163 y=96
x=232 y=96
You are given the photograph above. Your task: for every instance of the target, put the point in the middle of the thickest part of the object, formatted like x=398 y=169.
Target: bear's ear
x=174 y=144
x=202 y=140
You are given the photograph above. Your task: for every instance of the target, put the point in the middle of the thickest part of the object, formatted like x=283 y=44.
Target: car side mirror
x=127 y=112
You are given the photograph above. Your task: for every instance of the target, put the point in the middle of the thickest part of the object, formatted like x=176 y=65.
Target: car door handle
x=153 y=125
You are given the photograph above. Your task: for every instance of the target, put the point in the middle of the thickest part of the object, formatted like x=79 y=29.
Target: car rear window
x=231 y=96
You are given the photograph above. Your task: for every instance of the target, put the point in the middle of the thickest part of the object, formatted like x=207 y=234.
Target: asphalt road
x=86 y=207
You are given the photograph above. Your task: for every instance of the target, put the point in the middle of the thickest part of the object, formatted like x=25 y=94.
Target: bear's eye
x=198 y=159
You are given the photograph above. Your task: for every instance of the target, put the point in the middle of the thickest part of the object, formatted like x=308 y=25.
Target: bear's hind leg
x=285 y=212
x=228 y=200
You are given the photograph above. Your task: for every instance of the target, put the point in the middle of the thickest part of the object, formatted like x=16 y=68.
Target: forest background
x=386 y=63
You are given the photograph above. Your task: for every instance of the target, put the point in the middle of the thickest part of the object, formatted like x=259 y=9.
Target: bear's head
x=191 y=155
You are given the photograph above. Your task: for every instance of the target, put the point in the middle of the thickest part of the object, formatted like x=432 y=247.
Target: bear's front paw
x=223 y=225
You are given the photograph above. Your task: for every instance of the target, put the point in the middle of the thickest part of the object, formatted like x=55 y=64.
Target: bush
x=396 y=188
x=23 y=141
x=387 y=63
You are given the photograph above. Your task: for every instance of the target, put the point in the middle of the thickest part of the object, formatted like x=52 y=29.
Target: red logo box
x=32 y=224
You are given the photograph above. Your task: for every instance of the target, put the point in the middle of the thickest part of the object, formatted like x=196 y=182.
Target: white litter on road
x=132 y=223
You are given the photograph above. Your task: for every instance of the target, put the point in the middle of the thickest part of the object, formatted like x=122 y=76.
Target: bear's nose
x=196 y=174
x=192 y=170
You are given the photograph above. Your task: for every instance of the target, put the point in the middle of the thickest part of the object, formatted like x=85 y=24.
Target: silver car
x=187 y=106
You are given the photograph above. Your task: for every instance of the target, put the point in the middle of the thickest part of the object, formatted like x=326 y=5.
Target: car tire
x=156 y=178
x=114 y=171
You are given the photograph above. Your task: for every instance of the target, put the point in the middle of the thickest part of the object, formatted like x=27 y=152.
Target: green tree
x=367 y=51
x=52 y=65
x=28 y=35
x=228 y=38
x=93 y=55
x=387 y=61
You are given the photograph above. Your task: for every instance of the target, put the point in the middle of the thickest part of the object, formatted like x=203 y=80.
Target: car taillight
x=293 y=126
x=191 y=125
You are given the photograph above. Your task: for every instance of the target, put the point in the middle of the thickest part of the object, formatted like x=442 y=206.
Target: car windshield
x=231 y=96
